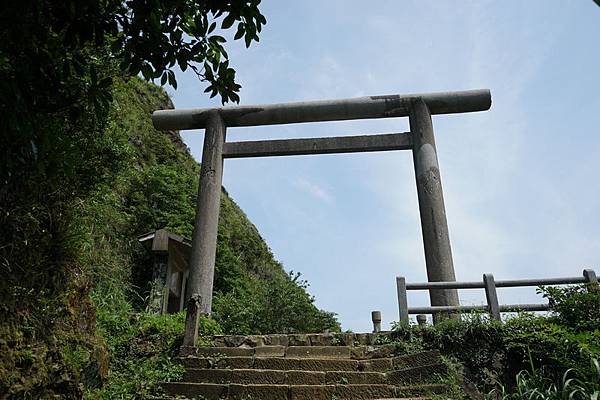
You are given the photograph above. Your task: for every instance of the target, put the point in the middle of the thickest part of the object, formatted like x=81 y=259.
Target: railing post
x=491 y=296
x=436 y=240
x=204 y=238
x=402 y=299
x=376 y=317
x=592 y=280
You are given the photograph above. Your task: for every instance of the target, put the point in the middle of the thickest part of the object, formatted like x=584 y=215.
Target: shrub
x=564 y=340
x=142 y=348
x=536 y=385
x=575 y=307
x=282 y=306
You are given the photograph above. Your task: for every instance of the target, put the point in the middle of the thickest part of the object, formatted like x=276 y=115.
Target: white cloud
x=315 y=190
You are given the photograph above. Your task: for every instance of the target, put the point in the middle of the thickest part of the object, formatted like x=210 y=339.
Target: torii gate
x=418 y=107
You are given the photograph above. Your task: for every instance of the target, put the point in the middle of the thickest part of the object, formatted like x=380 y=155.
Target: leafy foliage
x=75 y=141
x=546 y=346
x=156 y=188
x=282 y=306
x=537 y=385
x=63 y=247
x=59 y=47
x=574 y=306
x=142 y=347
x=475 y=341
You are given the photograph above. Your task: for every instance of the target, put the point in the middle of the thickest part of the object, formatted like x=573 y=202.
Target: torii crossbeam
x=418 y=107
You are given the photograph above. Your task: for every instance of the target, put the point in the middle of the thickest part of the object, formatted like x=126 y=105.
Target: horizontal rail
x=505 y=283
x=524 y=307
x=444 y=285
x=435 y=309
x=328 y=110
x=490 y=285
x=503 y=308
x=327 y=145
x=541 y=282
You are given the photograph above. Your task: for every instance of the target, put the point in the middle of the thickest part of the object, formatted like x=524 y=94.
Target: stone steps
x=213 y=357
x=306 y=367
x=278 y=351
x=211 y=391
x=303 y=377
x=300 y=339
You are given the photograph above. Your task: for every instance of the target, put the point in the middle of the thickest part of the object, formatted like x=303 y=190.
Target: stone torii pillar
x=206 y=226
x=436 y=239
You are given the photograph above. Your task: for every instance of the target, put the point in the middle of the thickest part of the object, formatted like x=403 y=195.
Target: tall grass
x=575 y=384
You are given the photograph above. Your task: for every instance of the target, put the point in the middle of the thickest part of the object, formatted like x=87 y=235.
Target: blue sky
x=520 y=180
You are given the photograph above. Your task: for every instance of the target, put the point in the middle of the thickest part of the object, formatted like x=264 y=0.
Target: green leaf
x=217 y=39
x=212 y=27
x=228 y=21
x=240 y=31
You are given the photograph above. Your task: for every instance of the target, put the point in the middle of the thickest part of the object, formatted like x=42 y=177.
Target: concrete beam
x=328 y=145
x=328 y=110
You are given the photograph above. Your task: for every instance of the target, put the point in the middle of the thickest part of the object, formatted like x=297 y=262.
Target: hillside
x=67 y=338
x=156 y=188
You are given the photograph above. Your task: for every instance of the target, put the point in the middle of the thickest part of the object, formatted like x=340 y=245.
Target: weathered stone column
x=204 y=239
x=436 y=241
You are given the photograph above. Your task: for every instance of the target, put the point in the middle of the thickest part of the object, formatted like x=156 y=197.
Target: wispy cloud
x=315 y=190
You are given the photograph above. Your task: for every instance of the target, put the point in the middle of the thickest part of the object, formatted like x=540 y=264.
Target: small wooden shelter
x=170 y=270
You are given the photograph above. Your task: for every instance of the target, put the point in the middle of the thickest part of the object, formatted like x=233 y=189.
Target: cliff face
x=76 y=300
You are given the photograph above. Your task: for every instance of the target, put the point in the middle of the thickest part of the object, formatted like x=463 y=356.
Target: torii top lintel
x=327 y=110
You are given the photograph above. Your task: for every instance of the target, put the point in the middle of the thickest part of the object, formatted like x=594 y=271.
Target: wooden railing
x=490 y=285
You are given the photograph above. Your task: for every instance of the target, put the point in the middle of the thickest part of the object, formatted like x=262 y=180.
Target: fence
x=490 y=285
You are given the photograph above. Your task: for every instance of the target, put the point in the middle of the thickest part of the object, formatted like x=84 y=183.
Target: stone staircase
x=307 y=367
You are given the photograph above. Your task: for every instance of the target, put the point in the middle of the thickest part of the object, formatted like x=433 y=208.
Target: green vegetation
x=527 y=354
x=537 y=385
x=76 y=156
x=72 y=261
x=142 y=347
x=83 y=173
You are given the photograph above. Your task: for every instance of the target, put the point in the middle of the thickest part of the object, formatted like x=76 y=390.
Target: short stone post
x=194 y=305
x=402 y=299
x=492 y=296
x=204 y=239
x=592 y=280
x=422 y=320
x=376 y=317
x=436 y=240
